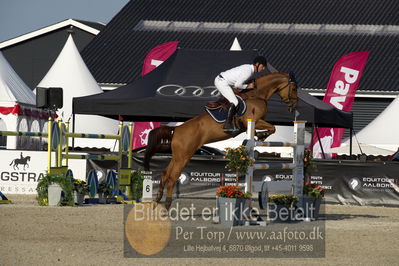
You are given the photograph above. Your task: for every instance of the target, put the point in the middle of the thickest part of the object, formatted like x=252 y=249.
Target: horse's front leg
x=263 y=125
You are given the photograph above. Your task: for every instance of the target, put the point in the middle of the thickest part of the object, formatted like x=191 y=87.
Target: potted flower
x=238 y=160
x=282 y=207
x=312 y=196
x=231 y=205
x=79 y=190
x=54 y=190
x=308 y=163
x=104 y=190
x=231 y=200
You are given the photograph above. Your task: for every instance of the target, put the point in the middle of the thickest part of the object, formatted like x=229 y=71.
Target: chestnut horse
x=186 y=139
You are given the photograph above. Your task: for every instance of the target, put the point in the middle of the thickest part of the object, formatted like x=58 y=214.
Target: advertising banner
x=140 y=133
x=340 y=93
x=345 y=182
x=21 y=170
x=359 y=183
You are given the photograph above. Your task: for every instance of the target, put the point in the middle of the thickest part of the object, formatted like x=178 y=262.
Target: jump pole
x=299 y=148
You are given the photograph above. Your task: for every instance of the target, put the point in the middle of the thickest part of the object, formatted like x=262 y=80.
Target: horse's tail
x=159 y=139
x=12 y=162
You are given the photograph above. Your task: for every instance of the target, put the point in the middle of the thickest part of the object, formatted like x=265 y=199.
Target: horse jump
x=58 y=130
x=296 y=166
x=124 y=139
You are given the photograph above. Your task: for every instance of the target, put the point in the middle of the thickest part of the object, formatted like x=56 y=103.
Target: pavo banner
x=157 y=56
x=340 y=93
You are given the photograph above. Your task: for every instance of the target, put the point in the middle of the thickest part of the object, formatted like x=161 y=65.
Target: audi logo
x=188 y=91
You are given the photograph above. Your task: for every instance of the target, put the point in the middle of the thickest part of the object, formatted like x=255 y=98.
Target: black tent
x=180 y=87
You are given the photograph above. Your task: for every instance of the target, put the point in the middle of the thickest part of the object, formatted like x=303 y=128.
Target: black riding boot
x=228 y=125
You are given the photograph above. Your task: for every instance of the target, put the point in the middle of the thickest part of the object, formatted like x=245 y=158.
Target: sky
x=18 y=17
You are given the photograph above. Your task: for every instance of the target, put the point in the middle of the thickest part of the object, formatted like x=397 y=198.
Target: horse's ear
x=292 y=77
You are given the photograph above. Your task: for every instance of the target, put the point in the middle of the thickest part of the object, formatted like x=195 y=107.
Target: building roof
x=91 y=27
x=307 y=37
x=262 y=11
x=12 y=88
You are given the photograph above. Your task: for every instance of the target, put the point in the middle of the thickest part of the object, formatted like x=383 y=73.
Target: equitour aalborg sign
x=21 y=170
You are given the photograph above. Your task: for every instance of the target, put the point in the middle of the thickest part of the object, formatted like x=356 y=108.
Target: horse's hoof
x=168 y=202
x=154 y=204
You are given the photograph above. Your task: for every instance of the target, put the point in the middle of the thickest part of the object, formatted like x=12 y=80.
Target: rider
x=235 y=78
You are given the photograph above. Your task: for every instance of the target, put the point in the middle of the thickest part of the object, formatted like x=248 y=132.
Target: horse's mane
x=268 y=70
x=251 y=93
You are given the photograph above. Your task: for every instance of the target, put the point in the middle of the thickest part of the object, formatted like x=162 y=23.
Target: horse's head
x=282 y=84
x=288 y=91
x=28 y=158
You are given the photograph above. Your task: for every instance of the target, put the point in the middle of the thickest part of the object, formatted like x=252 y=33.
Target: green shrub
x=137 y=178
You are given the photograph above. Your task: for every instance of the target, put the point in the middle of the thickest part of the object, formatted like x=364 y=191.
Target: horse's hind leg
x=164 y=180
x=174 y=174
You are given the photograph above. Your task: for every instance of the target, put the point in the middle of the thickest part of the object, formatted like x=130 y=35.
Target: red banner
x=18 y=110
x=157 y=56
x=15 y=110
x=340 y=93
x=140 y=133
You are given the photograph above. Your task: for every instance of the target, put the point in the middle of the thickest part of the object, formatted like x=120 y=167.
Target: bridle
x=291 y=80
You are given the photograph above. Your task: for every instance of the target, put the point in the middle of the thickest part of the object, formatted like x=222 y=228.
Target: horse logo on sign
x=22 y=160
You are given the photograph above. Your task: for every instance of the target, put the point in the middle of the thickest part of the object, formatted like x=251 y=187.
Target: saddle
x=221 y=102
x=218 y=110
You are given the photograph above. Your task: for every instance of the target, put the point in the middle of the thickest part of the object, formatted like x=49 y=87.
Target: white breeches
x=224 y=88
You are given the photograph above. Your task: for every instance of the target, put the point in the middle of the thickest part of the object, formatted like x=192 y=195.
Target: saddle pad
x=220 y=115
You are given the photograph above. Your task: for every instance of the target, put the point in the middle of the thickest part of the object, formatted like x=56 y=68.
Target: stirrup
x=230 y=129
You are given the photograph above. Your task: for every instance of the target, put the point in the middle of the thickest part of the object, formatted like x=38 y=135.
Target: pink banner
x=152 y=60
x=140 y=133
x=340 y=93
x=157 y=56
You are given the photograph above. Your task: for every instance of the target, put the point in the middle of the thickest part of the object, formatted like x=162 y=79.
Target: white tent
x=236 y=45
x=360 y=148
x=17 y=106
x=71 y=74
x=383 y=131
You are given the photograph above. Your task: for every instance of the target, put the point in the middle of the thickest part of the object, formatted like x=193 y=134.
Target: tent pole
x=73 y=131
x=321 y=145
x=311 y=140
x=350 y=141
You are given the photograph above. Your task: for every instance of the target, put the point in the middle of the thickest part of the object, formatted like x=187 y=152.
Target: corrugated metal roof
x=383 y=12
x=310 y=45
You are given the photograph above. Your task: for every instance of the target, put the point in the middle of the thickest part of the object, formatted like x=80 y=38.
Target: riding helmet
x=261 y=60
